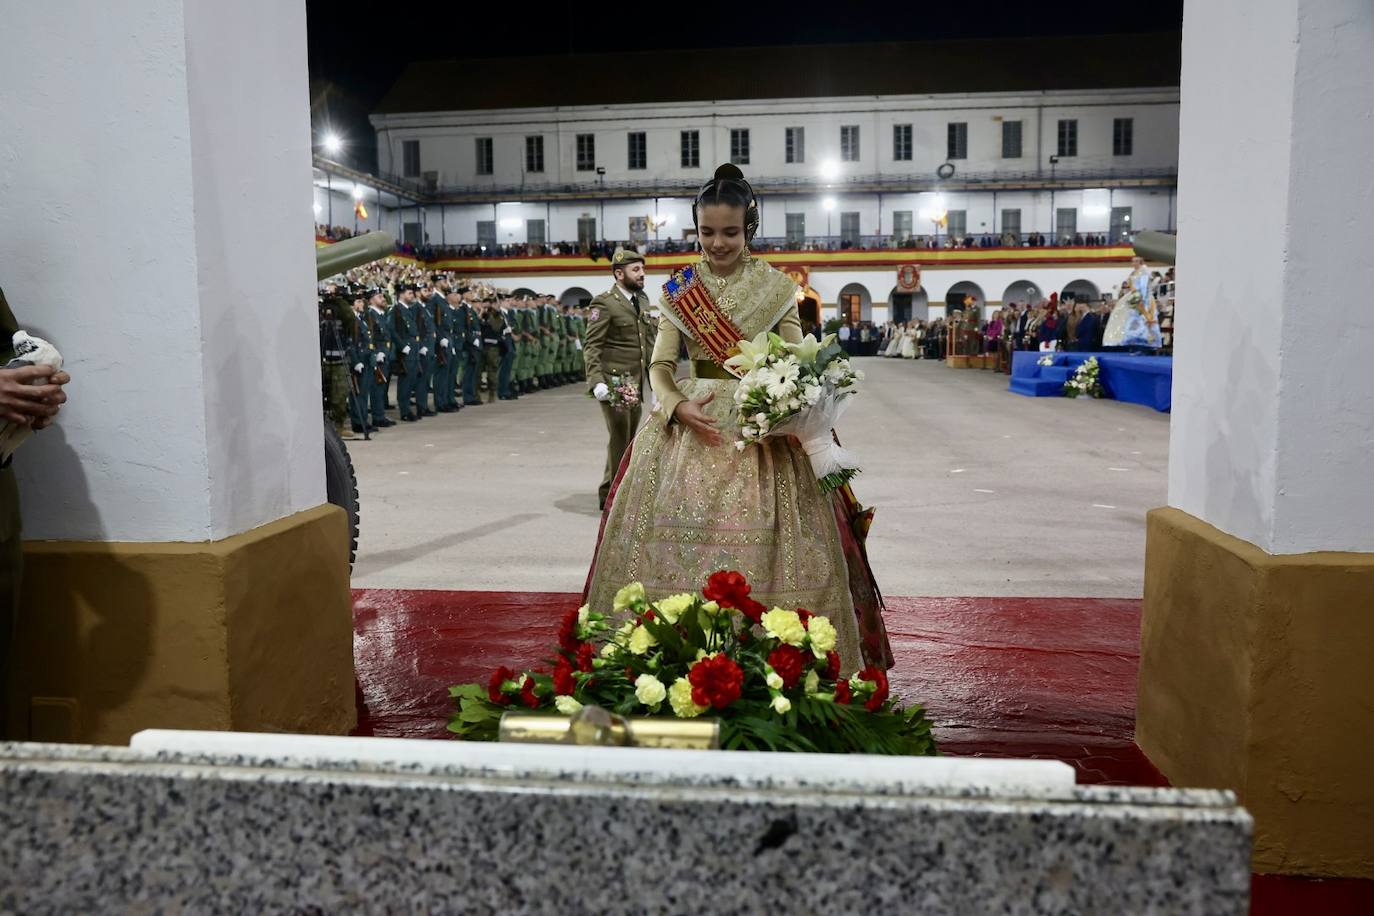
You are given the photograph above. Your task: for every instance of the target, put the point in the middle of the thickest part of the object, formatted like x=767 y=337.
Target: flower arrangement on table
x=1085 y=381
x=1046 y=360
x=771 y=676
x=622 y=394
x=797 y=389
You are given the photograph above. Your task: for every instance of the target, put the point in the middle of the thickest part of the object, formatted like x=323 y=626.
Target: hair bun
x=729 y=170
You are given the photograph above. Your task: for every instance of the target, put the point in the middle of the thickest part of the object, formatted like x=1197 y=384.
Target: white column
x=155 y=224
x=1273 y=423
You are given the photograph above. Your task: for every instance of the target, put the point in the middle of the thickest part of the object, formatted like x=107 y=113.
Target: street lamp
x=1054 y=234
x=332 y=143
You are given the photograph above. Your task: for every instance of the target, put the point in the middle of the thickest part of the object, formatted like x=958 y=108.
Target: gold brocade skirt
x=684 y=510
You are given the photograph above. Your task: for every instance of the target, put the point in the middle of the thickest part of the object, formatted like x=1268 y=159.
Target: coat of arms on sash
x=701 y=315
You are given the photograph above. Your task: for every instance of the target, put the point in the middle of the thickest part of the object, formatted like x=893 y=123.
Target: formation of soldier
x=394 y=337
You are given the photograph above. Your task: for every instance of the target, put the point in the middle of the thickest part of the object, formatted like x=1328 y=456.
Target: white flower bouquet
x=797 y=389
x=1085 y=381
x=1046 y=360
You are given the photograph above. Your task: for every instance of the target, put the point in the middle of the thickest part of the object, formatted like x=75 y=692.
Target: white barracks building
x=865 y=159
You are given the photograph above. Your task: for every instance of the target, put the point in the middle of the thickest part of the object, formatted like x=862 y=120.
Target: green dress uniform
x=523 y=371
x=620 y=342
x=11 y=544
x=493 y=329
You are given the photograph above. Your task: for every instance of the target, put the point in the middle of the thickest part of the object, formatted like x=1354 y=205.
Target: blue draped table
x=1132 y=377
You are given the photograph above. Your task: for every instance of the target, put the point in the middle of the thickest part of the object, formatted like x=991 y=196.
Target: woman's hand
x=25 y=403
x=691 y=414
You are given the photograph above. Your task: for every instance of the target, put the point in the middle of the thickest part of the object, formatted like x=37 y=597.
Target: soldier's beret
x=624 y=256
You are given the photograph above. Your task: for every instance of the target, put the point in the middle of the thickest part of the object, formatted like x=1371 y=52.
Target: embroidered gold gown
x=684 y=509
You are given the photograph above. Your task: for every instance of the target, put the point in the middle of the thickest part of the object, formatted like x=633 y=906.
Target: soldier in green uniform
x=32 y=396
x=336 y=330
x=493 y=329
x=536 y=325
x=620 y=342
x=550 y=346
x=520 y=332
x=379 y=332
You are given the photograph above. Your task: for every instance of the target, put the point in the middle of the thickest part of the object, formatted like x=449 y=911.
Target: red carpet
x=1001 y=677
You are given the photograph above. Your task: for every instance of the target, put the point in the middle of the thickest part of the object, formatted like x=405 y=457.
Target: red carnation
x=805 y=616
x=842 y=694
x=787 y=662
x=751 y=609
x=527 y=693
x=726 y=588
x=563 y=681
x=567 y=632
x=716 y=681
x=499 y=677
x=585 y=653
x=832 y=665
x=879 y=677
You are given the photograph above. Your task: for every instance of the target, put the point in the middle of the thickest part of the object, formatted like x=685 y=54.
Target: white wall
x=194 y=406
x=1272 y=428
x=250 y=166
x=448 y=139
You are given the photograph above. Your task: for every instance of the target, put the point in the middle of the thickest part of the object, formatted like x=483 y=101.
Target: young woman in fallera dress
x=688 y=503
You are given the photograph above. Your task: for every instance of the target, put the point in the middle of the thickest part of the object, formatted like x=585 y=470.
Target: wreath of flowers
x=771 y=676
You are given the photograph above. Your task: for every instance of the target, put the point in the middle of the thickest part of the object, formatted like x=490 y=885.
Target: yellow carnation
x=822 y=635
x=641 y=640
x=649 y=690
x=566 y=705
x=785 y=626
x=628 y=596
x=680 y=698
x=710 y=609
x=781 y=705
x=674 y=606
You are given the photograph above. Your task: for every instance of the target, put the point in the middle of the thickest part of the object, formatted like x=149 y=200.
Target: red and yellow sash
x=691 y=302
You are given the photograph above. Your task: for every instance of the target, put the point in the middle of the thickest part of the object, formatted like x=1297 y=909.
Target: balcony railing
x=592 y=187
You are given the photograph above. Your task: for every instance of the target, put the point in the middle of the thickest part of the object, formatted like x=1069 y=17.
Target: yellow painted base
x=1257 y=674
x=251 y=633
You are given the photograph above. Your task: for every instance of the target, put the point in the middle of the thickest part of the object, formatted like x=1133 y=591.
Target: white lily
x=806 y=350
x=752 y=354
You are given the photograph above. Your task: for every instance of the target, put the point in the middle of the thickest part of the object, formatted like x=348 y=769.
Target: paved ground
x=978 y=491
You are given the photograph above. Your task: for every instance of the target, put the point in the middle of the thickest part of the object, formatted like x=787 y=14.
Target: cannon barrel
x=1156 y=246
x=340 y=256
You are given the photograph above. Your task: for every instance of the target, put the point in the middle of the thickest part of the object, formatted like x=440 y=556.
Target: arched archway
x=1022 y=292
x=954 y=299
x=907 y=306
x=1082 y=290
x=575 y=296
x=855 y=302
x=523 y=291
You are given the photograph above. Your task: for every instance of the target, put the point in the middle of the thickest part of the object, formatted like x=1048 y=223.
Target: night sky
x=362 y=48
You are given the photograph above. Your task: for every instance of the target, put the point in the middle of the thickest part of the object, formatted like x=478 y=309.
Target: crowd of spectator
x=603 y=249
x=1065 y=324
